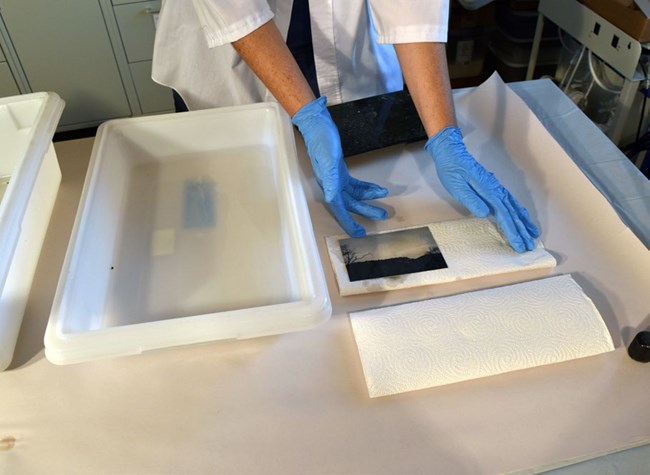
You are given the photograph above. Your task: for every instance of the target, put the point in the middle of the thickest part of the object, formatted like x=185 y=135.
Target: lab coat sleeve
x=410 y=21
x=225 y=21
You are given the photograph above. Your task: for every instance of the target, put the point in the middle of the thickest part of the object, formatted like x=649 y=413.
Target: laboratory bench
x=297 y=403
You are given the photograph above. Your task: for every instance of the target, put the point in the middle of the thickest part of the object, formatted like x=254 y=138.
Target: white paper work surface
x=538 y=417
x=297 y=403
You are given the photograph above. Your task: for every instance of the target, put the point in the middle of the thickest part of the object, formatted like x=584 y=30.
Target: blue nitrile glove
x=342 y=193
x=478 y=190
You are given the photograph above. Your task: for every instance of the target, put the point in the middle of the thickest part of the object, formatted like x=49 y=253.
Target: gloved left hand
x=342 y=193
x=478 y=190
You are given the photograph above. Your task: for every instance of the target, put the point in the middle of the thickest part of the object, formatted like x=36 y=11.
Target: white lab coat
x=352 y=42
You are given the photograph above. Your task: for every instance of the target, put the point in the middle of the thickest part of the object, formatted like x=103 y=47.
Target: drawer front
x=8 y=86
x=135 y=21
x=152 y=96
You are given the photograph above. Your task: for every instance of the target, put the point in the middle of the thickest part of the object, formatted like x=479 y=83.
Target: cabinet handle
x=151 y=11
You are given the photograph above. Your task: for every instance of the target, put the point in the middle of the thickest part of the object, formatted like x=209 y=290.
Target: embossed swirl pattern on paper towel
x=473 y=247
x=450 y=339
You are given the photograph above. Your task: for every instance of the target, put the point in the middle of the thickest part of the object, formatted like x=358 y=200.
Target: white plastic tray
x=29 y=182
x=192 y=227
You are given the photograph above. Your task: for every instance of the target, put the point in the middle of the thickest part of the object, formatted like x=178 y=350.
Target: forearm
x=424 y=66
x=266 y=53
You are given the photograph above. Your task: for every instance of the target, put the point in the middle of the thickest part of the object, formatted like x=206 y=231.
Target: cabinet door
x=64 y=47
x=153 y=97
x=8 y=86
x=137 y=29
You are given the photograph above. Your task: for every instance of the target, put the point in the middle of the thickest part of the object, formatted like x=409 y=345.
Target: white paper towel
x=467 y=336
x=472 y=247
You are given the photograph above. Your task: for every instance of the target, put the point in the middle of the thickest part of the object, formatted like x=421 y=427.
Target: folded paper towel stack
x=450 y=339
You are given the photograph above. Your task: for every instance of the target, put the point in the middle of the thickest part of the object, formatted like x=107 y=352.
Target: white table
x=297 y=403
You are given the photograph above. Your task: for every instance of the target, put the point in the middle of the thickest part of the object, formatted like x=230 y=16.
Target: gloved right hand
x=479 y=190
x=342 y=193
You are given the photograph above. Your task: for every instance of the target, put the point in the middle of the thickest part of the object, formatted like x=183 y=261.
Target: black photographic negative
x=391 y=254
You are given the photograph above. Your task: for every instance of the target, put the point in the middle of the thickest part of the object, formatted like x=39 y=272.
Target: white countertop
x=297 y=403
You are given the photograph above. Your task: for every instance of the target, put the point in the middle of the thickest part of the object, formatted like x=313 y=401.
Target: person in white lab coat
x=225 y=52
